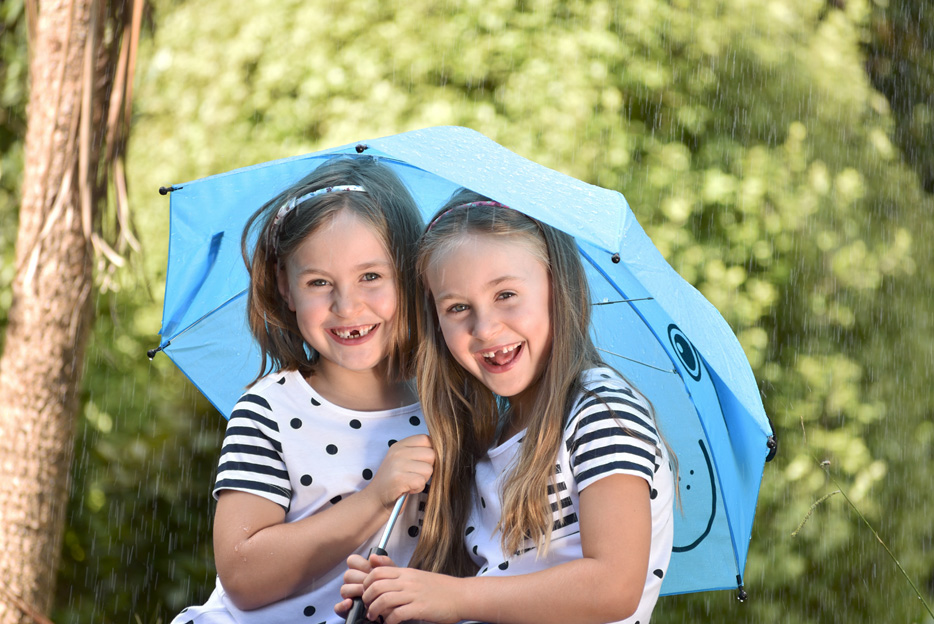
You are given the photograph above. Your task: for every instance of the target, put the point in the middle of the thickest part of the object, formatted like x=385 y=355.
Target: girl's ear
x=282 y=280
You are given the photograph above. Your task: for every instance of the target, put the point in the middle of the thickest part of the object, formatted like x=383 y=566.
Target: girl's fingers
x=357 y=562
x=382 y=601
x=343 y=607
x=377 y=561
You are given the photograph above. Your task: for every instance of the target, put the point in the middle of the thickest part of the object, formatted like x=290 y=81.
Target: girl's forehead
x=343 y=218
x=513 y=244
x=343 y=224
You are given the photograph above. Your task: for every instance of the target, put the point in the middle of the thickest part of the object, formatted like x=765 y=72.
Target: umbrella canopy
x=649 y=323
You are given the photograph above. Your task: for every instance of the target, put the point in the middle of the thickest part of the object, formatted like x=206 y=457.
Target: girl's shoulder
x=606 y=396
x=607 y=383
x=270 y=390
x=274 y=382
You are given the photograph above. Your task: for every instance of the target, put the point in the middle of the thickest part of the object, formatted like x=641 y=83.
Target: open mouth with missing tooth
x=356 y=332
x=503 y=356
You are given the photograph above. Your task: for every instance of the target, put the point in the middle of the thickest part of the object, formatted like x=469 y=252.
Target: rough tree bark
x=73 y=64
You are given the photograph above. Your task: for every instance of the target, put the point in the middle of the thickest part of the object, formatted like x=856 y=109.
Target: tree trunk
x=49 y=321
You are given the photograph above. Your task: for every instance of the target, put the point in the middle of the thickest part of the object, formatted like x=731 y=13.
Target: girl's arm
x=604 y=586
x=261 y=558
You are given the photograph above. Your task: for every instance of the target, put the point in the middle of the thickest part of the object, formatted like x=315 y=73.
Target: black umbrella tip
x=615 y=258
x=152 y=352
x=165 y=190
x=741 y=594
x=772 y=444
x=362 y=147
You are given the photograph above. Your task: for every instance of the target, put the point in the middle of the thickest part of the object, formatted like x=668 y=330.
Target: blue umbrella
x=649 y=323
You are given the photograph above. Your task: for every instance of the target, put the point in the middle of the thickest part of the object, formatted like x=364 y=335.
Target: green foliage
x=13 y=70
x=746 y=135
x=139 y=531
x=900 y=60
x=752 y=146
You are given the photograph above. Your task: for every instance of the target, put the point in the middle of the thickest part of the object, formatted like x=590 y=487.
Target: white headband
x=290 y=205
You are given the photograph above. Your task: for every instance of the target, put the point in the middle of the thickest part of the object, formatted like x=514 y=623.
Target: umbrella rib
x=599 y=303
x=664 y=370
x=188 y=327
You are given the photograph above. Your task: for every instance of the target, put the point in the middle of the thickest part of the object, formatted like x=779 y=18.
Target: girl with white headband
x=317 y=452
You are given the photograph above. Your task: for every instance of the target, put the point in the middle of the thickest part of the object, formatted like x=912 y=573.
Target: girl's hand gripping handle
x=357 y=614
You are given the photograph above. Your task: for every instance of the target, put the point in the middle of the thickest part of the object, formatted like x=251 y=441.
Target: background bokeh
x=780 y=153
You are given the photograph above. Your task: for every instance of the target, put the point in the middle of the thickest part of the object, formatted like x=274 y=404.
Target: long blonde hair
x=462 y=414
x=385 y=204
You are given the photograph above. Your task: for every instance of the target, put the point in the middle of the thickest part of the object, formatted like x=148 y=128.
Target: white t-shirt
x=288 y=444
x=614 y=434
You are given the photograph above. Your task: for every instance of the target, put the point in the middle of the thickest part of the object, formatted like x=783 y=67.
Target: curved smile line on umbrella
x=352 y=335
x=713 y=503
x=500 y=359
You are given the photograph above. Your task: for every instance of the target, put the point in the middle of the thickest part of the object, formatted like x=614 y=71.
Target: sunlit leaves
x=746 y=137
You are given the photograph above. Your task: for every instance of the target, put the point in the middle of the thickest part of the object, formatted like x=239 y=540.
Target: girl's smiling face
x=340 y=282
x=492 y=295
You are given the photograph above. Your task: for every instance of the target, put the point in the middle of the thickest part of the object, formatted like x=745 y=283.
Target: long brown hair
x=462 y=414
x=385 y=204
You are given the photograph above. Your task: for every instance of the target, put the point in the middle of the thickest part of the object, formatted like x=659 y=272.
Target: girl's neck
x=363 y=391
x=514 y=421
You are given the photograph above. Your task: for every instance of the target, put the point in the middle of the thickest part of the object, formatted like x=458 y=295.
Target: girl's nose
x=346 y=302
x=486 y=326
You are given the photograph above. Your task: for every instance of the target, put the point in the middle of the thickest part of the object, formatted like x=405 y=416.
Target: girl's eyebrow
x=363 y=266
x=491 y=283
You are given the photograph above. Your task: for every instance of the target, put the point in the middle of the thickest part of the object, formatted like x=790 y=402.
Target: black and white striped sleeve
x=611 y=431
x=251 y=456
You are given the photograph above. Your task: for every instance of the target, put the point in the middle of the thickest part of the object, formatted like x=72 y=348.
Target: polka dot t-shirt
x=612 y=433
x=288 y=444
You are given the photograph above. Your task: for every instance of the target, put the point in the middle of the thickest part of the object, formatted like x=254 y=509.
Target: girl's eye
x=505 y=295
x=318 y=282
x=457 y=307
x=369 y=277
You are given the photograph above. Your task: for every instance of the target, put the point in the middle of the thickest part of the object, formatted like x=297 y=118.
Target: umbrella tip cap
x=165 y=190
x=772 y=444
x=362 y=147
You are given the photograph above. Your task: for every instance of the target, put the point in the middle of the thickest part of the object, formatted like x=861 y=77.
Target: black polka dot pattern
x=659 y=573
x=367 y=474
x=331 y=449
x=413 y=531
x=414 y=421
x=281 y=382
x=309 y=611
x=306 y=480
x=475 y=549
x=391 y=442
x=355 y=424
x=315 y=402
x=336 y=499
x=296 y=423
x=654 y=494
x=468 y=531
x=503 y=565
x=482 y=502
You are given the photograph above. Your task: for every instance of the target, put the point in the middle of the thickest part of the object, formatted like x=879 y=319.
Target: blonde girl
x=551 y=499
x=317 y=452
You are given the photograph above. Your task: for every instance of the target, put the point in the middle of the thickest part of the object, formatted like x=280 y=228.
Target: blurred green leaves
x=752 y=145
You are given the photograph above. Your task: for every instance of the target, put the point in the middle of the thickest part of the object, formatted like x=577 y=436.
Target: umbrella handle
x=357 y=614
